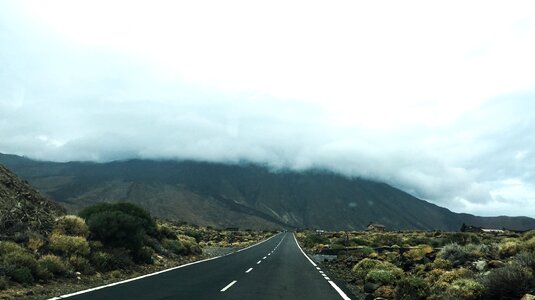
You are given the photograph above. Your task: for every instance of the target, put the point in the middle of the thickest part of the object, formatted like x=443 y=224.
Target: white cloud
x=436 y=99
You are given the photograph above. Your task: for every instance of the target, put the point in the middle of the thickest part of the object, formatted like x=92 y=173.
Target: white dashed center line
x=228 y=286
x=250 y=269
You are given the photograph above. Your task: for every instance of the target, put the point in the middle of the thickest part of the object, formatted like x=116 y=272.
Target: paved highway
x=274 y=269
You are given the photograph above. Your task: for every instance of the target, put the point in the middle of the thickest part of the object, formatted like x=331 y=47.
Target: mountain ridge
x=244 y=195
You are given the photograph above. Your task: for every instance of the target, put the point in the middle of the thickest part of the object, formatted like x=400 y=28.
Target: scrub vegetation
x=105 y=242
x=428 y=265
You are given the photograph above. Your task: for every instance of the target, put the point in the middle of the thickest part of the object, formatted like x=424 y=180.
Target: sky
x=435 y=98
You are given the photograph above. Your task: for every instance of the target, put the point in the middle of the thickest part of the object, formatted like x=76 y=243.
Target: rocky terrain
x=22 y=208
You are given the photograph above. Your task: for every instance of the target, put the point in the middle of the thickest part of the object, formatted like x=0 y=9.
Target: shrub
x=468 y=289
x=417 y=254
x=17 y=259
x=9 y=247
x=454 y=253
x=412 y=288
x=529 y=245
x=53 y=264
x=381 y=276
x=509 y=282
x=35 y=242
x=192 y=248
x=441 y=263
x=71 y=225
x=69 y=245
x=119 y=224
x=315 y=239
x=164 y=232
x=143 y=255
x=22 y=275
x=509 y=247
x=80 y=264
x=175 y=246
x=107 y=261
x=363 y=267
x=357 y=241
x=3 y=283
x=526 y=259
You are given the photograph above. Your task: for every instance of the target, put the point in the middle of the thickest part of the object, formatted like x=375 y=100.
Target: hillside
x=23 y=209
x=243 y=195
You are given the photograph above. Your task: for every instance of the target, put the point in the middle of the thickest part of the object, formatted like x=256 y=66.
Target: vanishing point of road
x=274 y=269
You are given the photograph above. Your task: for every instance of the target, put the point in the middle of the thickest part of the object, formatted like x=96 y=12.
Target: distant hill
x=22 y=208
x=244 y=195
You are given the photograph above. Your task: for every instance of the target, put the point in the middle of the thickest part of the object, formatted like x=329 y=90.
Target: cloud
x=441 y=109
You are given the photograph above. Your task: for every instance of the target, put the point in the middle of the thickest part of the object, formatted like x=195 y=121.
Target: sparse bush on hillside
x=468 y=289
x=69 y=245
x=53 y=264
x=526 y=259
x=509 y=282
x=108 y=261
x=509 y=247
x=175 y=246
x=119 y=224
x=412 y=288
x=365 y=266
x=454 y=253
x=3 y=283
x=315 y=239
x=80 y=264
x=71 y=225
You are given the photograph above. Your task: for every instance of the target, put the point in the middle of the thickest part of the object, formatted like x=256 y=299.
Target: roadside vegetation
x=428 y=265
x=104 y=243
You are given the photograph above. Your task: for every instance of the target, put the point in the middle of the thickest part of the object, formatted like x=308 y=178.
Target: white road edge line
x=151 y=274
x=228 y=286
x=250 y=269
x=336 y=288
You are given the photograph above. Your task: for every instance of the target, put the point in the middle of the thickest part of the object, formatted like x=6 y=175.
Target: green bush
x=3 y=283
x=18 y=259
x=381 y=276
x=412 y=288
x=22 y=275
x=454 y=253
x=69 y=245
x=53 y=264
x=71 y=225
x=164 y=232
x=315 y=239
x=175 y=246
x=80 y=264
x=509 y=282
x=192 y=248
x=119 y=224
x=115 y=259
x=143 y=255
x=363 y=267
x=526 y=259
x=468 y=289
x=9 y=247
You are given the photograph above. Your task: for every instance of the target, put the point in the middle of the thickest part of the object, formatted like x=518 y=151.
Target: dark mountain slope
x=243 y=195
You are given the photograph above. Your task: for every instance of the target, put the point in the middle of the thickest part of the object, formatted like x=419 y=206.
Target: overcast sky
x=436 y=99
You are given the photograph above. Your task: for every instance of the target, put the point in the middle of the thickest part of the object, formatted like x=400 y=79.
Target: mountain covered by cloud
x=437 y=101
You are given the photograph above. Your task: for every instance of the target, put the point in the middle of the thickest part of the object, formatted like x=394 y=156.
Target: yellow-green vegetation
x=106 y=242
x=429 y=265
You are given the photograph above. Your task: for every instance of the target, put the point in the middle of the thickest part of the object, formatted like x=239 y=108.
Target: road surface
x=274 y=269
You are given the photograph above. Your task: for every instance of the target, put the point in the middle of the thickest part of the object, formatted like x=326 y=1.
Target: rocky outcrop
x=22 y=208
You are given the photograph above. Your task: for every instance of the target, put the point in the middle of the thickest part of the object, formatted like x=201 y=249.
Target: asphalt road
x=274 y=269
